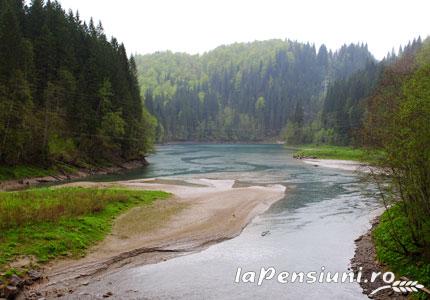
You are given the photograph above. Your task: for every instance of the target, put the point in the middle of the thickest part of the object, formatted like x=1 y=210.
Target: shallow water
x=314 y=226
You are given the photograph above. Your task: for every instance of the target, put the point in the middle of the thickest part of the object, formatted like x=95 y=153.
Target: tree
x=66 y=94
x=259 y=82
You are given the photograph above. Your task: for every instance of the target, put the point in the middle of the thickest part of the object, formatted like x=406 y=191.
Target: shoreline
x=346 y=165
x=269 y=142
x=19 y=184
x=205 y=212
x=365 y=258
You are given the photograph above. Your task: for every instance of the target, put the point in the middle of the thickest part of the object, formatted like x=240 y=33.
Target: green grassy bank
x=336 y=152
x=392 y=229
x=49 y=223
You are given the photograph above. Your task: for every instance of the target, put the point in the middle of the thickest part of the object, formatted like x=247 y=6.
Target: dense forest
x=67 y=94
x=346 y=104
x=263 y=91
x=243 y=92
x=397 y=123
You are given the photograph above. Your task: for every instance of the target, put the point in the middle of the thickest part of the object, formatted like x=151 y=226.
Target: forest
x=67 y=93
x=72 y=97
x=262 y=91
x=242 y=92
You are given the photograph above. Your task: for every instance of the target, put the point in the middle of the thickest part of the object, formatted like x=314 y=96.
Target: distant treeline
x=67 y=94
x=348 y=103
x=243 y=92
x=262 y=91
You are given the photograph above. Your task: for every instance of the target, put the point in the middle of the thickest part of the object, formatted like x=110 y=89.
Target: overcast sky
x=196 y=26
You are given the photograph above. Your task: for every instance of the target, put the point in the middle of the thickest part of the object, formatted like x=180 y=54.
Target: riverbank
x=365 y=259
x=31 y=179
x=338 y=157
x=202 y=212
x=41 y=225
x=346 y=165
x=376 y=252
x=342 y=153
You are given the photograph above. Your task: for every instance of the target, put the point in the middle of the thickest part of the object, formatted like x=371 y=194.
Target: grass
x=49 y=223
x=20 y=172
x=337 y=152
x=394 y=223
x=28 y=171
x=144 y=219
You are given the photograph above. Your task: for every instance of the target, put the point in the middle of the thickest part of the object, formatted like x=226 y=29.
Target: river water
x=314 y=226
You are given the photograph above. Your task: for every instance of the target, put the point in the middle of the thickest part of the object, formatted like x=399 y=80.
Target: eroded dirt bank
x=365 y=258
x=19 y=184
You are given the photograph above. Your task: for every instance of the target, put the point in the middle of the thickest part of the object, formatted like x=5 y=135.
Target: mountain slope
x=243 y=91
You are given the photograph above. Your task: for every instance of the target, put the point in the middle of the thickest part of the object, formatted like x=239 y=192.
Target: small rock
x=85 y=283
x=41 y=299
x=107 y=295
x=10 y=292
x=60 y=295
x=15 y=280
x=358 y=239
x=265 y=233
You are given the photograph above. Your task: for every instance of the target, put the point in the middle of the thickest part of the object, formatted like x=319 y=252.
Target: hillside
x=243 y=91
x=67 y=94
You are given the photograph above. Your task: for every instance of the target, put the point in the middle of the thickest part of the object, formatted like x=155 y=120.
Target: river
x=314 y=226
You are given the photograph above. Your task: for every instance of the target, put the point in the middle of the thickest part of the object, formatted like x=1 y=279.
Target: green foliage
x=260 y=104
x=292 y=134
x=397 y=122
x=243 y=91
x=343 y=107
x=338 y=152
x=49 y=223
x=66 y=93
x=20 y=172
x=62 y=149
x=394 y=229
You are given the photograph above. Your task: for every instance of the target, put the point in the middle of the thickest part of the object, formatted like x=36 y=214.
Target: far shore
x=200 y=213
x=23 y=183
x=347 y=165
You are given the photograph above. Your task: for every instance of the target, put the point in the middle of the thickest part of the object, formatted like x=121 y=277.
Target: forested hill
x=243 y=92
x=67 y=94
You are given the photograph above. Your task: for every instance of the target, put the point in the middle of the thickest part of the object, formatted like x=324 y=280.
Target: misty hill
x=243 y=91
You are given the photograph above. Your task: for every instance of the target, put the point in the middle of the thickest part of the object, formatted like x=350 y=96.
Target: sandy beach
x=199 y=213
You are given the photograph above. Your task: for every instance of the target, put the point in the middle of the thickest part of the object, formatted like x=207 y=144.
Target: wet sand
x=200 y=213
x=347 y=165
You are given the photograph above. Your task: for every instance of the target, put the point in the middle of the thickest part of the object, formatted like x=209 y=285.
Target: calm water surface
x=314 y=226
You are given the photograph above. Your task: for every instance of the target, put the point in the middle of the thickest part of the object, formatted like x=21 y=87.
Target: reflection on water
x=313 y=226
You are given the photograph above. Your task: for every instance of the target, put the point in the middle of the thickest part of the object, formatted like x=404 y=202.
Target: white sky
x=196 y=26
